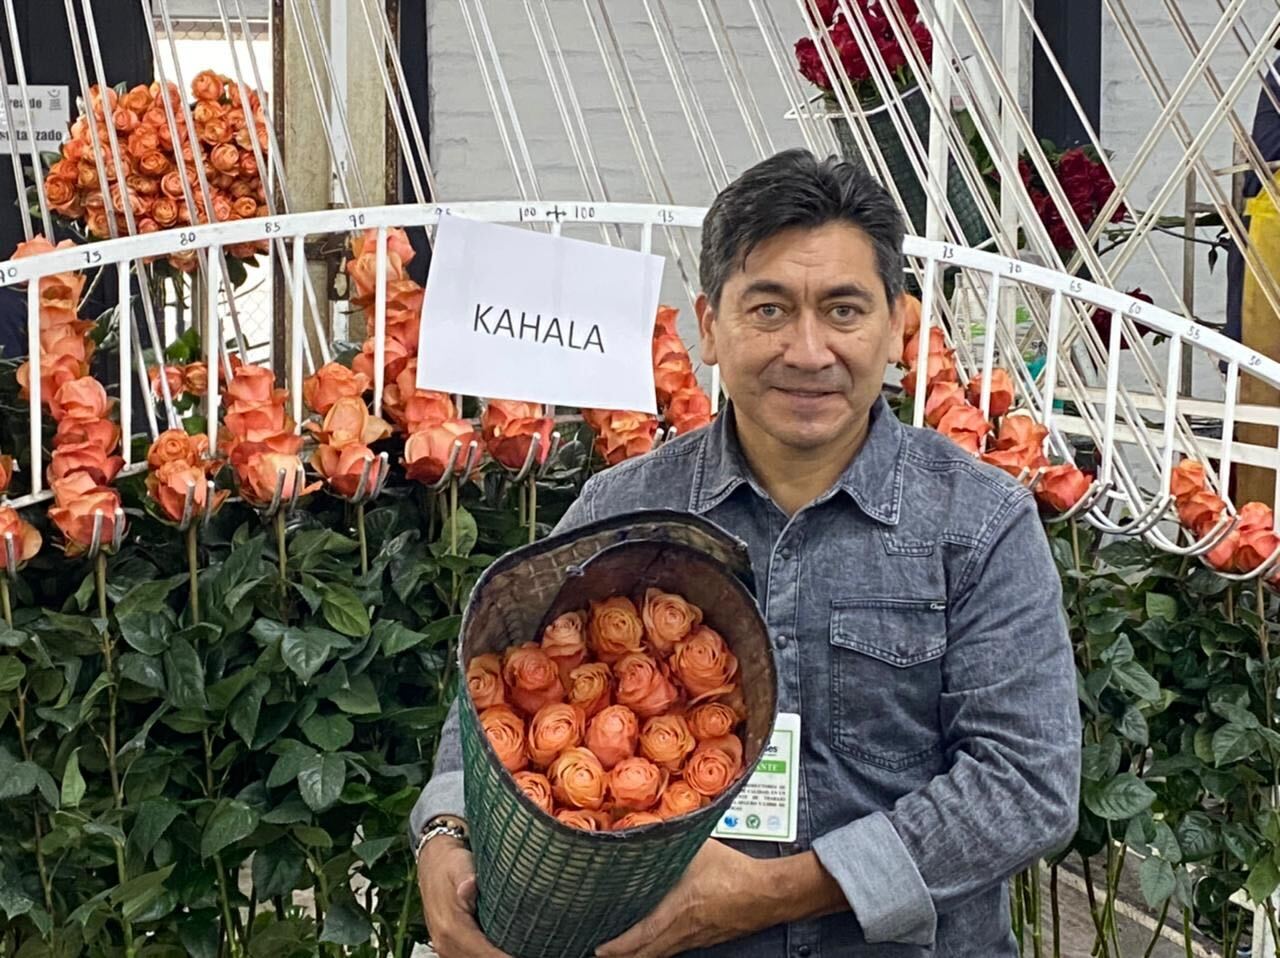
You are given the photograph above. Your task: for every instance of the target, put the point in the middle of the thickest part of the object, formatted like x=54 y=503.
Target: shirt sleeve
x=1011 y=724
x=443 y=793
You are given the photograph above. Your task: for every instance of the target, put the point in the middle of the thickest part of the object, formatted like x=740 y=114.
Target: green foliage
x=162 y=779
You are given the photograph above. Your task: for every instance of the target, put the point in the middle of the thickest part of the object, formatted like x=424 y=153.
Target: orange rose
x=195 y=378
x=668 y=619
x=78 y=501
x=173 y=375
x=625 y=435
x=538 y=788
x=667 y=741
x=253 y=385
x=103 y=433
x=54 y=373
x=577 y=779
x=1223 y=556
x=679 y=799
x=138 y=99
x=911 y=346
x=395 y=357
x=248 y=169
x=26 y=540
x=404 y=317
x=591 y=688
x=348 y=421
x=145 y=139
x=498 y=413
x=613 y=735
x=342 y=467
x=168 y=487
x=614 y=629
x=427 y=453
x=259 y=473
x=1188 y=478
x=665 y=321
x=63 y=198
x=165 y=212
x=711 y=720
x=245 y=208
x=942 y=399
x=1061 y=487
x=636 y=820
x=65 y=340
x=256 y=422
x=82 y=398
x=1002 y=392
x=425 y=407
x=505 y=731
x=484 y=681
x=331 y=382
x=671 y=366
x=940 y=368
x=125 y=121
x=1014 y=461
x=174 y=445
x=704 y=664
x=911 y=309
x=207 y=85
x=642 y=686
x=511 y=448
x=689 y=409
x=363 y=271
x=1020 y=432
x=171 y=186
x=1256 y=547
x=710 y=771
x=225 y=158
x=563 y=642
x=587 y=821
x=154 y=164
x=398 y=244
x=532 y=678
x=964 y=426
x=87 y=457
x=1254 y=515
x=636 y=783
x=556 y=728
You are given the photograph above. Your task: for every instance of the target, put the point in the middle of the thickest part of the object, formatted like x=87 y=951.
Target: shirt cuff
x=880 y=880
x=441 y=796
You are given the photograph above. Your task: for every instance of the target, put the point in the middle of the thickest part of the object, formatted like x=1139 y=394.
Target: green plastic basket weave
x=547 y=890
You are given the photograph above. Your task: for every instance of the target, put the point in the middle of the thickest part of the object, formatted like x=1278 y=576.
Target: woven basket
x=547 y=890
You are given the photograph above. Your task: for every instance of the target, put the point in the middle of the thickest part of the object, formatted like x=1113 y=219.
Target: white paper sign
x=515 y=314
x=768 y=807
x=50 y=113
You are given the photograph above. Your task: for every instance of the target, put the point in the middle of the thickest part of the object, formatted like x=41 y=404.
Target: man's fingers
x=631 y=943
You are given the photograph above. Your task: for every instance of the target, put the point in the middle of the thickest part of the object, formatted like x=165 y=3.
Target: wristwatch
x=441 y=825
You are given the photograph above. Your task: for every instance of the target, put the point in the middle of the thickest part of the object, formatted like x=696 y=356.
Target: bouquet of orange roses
x=620 y=688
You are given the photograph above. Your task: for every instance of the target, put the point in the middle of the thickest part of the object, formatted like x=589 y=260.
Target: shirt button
x=804 y=951
x=787 y=554
x=782 y=641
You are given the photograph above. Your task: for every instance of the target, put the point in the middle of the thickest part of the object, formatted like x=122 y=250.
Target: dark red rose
x=924 y=40
x=811 y=67
x=1102 y=320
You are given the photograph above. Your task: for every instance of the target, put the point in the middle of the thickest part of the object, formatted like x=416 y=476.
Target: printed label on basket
x=768 y=807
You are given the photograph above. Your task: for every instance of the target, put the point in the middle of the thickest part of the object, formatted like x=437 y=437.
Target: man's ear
x=706 y=329
x=897 y=320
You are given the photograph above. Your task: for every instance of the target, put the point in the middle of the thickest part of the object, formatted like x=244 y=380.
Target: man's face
x=803 y=334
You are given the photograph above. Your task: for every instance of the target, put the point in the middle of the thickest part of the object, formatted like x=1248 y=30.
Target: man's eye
x=845 y=314
x=769 y=311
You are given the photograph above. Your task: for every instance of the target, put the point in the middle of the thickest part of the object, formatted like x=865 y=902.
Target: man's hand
x=712 y=903
x=447 y=881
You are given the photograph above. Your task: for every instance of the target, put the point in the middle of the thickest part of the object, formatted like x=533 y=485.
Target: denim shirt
x=917 y=623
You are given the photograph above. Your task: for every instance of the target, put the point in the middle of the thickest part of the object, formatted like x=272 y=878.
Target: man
x=914 y=607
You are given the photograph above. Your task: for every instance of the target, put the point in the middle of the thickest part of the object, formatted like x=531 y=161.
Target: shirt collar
x=873 y=479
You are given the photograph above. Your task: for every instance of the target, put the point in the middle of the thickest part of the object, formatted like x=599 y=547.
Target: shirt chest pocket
x=886 y=679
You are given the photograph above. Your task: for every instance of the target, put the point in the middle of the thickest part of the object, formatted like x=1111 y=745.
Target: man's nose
x=807 y=343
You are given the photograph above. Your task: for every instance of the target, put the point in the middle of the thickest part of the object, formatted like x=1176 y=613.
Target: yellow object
x=1260 y=330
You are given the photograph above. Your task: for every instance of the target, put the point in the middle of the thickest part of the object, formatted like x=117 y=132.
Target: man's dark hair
x=796 y=189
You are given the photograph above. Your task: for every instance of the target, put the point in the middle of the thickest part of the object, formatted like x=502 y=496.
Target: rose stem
x=45 y=882
x=364 y=545
x=100 y=580
x=284 y=560
x=193 y=573
x=4 y=599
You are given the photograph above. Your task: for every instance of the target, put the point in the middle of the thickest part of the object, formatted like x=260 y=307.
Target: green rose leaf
x=1263 y=880
x=344 y=611
x=277 y=868
x=359 y=698
x=230 y=822
x=329 y=732
x=1157 y=881
x=320 y=781
x=73 y=785
x=1119 y=799
x=154 y=817
x=12 y=672
x=305 y=650
x=346 y=923
x=185 y=674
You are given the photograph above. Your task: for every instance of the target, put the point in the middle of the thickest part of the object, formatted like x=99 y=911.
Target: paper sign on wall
x=515 y=314
x=50 y=114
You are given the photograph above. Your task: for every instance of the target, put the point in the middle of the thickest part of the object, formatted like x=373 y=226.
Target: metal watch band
x=432 y=830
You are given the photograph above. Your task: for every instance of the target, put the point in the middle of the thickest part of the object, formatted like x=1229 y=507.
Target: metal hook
x=10 y=557
x=1140 y=524
x=189 y=513
x=1259 y=573
x=373 y=479
x=278 y=499
x=1225 y=525
x=535 y=441
x=1087 y=501
x=447 y=476
x=553 y=450
x=117 y=532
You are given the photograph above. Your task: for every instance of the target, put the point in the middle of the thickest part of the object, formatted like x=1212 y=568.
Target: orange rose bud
x=253 y=385
x=343 y=466
x=484 y=682
x=591 y=687
x=1061 y=487
x=636 y=783
x=395 y=357
x=78 y=501
x=941 y=368
x=331 y=382
x=565 y=645
x=704 y=664
x=505 y=731
x=614 y=629
x=195 y=378
x=942 y=399
x=731 y=745
x=427 y=452
x=911 y=309
x=1200 y=511
x=668 y=619
x=259 y=471
x=1254 y=515
x=624 y=435
x=1002 y=392
x=664 y=322
x=613 y=735
x=636 y=820
x=83 y=398
x=642 y=686
x=710 y=771
x=690 y=407
x=425 y=407
x=86 y=457
x=498 y=413
x=175 y=445
x=538 y=788
x=556 y=728
x=207 y=86
x=577 y=779
x=1188 y=479
x=911 y=346
x=965 y=426
x=1256 y=546
x=711 y=720
x=679 y=799
x=532 y=678
x=671 y=364
x=167 y=486
x=667 y=741
x=26 y=540
x=173 y=376
x=1016 y=461
x=511 y=448
x=349 y=421
x=587 y=821
x=1020 y=432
